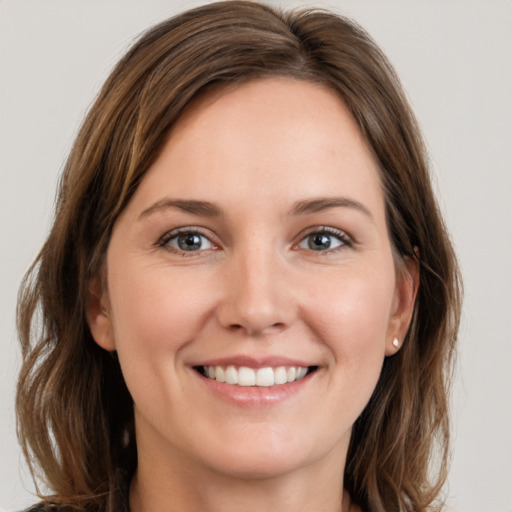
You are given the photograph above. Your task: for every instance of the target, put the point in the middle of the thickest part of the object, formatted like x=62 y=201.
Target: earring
x=396 y=343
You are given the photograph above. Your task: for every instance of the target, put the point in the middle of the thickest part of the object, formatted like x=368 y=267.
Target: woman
x=248 y=295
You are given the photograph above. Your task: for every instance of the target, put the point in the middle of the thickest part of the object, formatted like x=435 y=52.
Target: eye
x=186 y=241
x=324 y=240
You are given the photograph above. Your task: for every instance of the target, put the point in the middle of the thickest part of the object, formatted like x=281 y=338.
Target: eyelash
x=346 y=241
x=175 y=233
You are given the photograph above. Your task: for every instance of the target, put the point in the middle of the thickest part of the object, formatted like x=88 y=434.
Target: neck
x=183 y=486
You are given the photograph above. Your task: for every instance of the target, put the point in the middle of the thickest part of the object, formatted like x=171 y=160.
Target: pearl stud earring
x=396 y=343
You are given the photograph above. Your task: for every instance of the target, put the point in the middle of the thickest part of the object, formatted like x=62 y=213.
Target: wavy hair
x=75 y=414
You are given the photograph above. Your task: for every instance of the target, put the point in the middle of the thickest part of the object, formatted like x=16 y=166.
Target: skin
x=253 y=287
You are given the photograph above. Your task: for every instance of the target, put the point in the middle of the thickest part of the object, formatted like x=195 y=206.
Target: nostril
x=252 y=329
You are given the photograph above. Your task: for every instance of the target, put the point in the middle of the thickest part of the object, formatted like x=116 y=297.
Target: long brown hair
x=75 y=414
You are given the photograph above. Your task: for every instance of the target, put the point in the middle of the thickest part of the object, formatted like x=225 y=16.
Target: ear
x=403 y=305
x=97 y=312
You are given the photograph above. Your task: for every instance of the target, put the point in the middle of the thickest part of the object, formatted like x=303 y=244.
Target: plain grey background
x=455 y=60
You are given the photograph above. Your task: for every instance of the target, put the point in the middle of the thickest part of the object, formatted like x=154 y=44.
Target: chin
x=258 y=466
x=262 y=457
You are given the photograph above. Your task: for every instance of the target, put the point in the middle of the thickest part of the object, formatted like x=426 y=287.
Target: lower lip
x=255 y=396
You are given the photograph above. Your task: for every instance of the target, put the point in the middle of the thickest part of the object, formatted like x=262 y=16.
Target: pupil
x=189 y=242
x=319 y=241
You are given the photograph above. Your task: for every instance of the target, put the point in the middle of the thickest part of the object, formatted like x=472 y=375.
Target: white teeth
x=246 y=376
x=262 y=377
x=280 y=375
x=219 y=374
x=301 y=373
x=265 y=377
x=231 y=375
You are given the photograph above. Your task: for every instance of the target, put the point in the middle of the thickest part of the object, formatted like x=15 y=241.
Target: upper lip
x=255 y=362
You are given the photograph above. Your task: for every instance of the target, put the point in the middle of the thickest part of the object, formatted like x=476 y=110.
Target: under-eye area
x=262 y=377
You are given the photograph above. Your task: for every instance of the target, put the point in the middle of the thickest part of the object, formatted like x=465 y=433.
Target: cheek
x=155 y=316
x=158 y=310
x=352 y=320
x=357 y=307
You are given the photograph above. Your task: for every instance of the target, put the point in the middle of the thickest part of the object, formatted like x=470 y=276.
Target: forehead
x=276 y=136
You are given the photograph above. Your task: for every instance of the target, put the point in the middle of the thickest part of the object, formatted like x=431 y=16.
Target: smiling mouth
x=260 y=377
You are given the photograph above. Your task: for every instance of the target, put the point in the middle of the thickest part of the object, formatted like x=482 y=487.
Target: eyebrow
x=324 y=203
x=202 y=208
x=208 y=209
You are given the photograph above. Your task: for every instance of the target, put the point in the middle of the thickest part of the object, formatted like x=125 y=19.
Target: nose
x=258 y=296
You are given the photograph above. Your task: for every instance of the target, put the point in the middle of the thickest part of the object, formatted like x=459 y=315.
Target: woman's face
x=254 y=250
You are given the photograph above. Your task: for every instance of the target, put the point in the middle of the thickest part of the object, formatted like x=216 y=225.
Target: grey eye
x=189 y=242
x=320 y=242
